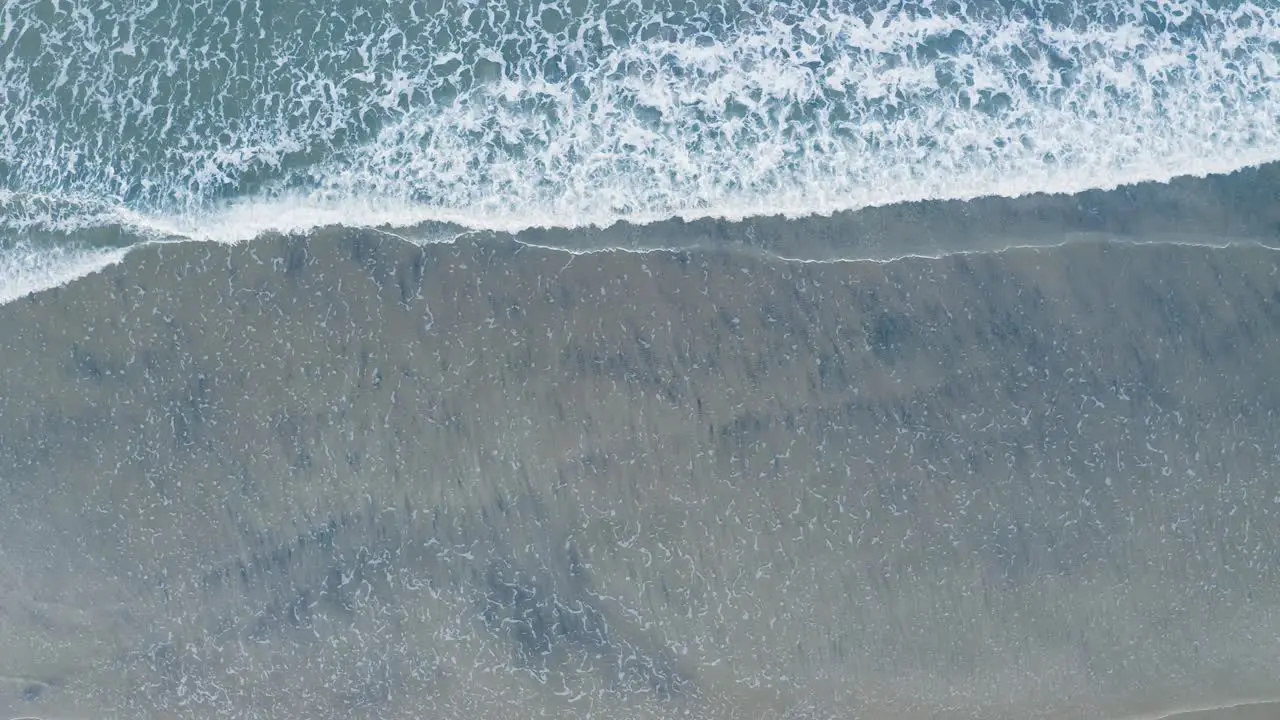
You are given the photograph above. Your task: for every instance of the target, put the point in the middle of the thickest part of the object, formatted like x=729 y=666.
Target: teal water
x=226 y=119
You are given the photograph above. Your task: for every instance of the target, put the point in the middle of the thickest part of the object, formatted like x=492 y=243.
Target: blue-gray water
x=639 y=360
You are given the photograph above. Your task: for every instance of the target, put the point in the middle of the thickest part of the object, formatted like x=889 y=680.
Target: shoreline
x=1215 y=210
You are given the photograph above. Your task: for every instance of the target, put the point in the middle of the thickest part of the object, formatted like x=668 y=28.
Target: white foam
x=301 y=213
x=25 y=270
x=791 y=111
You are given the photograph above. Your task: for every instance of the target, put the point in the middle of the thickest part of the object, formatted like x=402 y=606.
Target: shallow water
x=348 y=474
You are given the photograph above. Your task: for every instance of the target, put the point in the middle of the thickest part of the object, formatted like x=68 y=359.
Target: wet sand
x=353 y=477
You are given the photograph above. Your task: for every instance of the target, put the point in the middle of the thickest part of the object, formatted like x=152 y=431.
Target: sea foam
x=225 y=123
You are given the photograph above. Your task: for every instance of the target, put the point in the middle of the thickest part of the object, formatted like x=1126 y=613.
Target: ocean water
x=584 y=359
x=227 y=120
